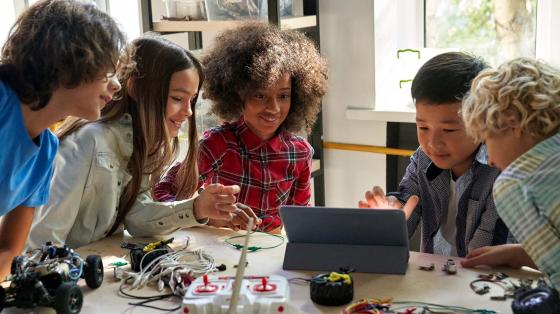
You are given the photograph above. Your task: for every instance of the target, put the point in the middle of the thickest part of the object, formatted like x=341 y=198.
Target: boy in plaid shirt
x=447 y=187
x=515 y=110
x=267 y=84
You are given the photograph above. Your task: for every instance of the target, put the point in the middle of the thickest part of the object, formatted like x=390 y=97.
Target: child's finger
x=477 y=252
x=248 y=211
x=379 y=195
x=370 y=199
x=363 y=204
x=240 y=217
x=221 y=215
x=217 y=188
x=227 y=209
x=483 y=259
x=411 y=203
x=224 y=199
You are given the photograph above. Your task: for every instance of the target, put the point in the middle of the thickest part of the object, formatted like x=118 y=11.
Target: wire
x=380 y=306
x=438 y=307
x=299 y=280
x=148 y=299
x=254 y=248
x=264 y=228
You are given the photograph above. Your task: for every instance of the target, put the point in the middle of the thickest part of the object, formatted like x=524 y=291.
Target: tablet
x=326 y=238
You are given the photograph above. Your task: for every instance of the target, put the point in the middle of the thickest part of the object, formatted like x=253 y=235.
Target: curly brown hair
x=255 y=55
x=58 y=43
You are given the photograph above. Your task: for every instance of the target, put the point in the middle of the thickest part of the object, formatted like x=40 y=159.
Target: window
x=409 y=32
x=7 y=19
x=496 y=30
x=125 y=12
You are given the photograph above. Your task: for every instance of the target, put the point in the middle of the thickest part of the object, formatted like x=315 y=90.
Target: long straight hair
x=156 y=60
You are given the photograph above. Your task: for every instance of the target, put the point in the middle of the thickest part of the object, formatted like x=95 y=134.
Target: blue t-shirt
x=26 y=165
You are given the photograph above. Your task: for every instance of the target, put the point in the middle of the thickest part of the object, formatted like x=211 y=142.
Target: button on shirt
x=270 y=173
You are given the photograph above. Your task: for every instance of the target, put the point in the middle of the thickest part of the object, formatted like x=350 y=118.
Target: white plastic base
x=257 y=295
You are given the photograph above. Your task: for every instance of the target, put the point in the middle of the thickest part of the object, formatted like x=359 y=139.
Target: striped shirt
x=477 y=222
x=270 y=173
x=528 y=201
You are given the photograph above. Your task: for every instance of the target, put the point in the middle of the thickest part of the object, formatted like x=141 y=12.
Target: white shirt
x=446 y=237
x=90 y=174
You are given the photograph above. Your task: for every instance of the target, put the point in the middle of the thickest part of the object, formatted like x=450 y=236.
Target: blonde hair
x=523 y=91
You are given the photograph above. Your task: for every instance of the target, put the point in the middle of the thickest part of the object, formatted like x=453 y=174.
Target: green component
x=118 y=264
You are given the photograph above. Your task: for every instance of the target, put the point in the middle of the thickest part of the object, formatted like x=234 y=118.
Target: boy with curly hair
x=267 y=84
x=515 y=110
x=58 y=61
x=447 y=186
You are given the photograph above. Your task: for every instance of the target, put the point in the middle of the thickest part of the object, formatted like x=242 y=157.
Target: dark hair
x=156 y=60
x=58 y=43
x=446 y=78
x=255 y=55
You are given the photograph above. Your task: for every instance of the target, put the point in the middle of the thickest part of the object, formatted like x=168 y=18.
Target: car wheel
x=68 y=299
x=536 y=301
x=2 y=298
x=94 y=271
x=17 y=264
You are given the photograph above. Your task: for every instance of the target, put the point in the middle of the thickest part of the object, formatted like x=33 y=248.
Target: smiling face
x=87 y=99
x=266 y=108
x=442 y=136
x=183 y=87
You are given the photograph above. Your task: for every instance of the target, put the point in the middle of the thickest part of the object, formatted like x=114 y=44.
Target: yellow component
x=151 y=246
x=338 y=277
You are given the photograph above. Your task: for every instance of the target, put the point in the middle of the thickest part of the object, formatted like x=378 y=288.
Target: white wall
x=347 y=41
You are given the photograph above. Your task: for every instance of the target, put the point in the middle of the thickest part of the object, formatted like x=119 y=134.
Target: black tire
x=93 y=271
x=536 y=301
x=17 y=264
x=2 y=298
x=68 y=299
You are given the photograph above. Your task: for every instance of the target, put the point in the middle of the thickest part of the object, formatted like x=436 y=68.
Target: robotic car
x=48 y=277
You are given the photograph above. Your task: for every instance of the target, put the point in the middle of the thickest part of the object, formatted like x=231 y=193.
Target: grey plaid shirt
x=477 y=222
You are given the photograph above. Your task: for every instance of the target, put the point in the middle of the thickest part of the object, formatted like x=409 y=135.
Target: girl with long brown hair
x=105 y=170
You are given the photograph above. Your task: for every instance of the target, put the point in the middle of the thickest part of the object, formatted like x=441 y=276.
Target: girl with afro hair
x=266 y=84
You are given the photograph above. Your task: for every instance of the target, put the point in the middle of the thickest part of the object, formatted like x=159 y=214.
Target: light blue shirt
x=26 y=164
x=527 y=199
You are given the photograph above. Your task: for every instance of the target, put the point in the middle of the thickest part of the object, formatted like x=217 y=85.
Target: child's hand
x=377 y=199
x=216 y=201
x=512 y=255
x=240 y=219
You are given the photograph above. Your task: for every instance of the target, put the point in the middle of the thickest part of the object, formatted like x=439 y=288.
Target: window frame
x=400 y=25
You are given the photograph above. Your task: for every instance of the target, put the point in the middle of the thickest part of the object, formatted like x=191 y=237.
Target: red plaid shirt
x=270 y=173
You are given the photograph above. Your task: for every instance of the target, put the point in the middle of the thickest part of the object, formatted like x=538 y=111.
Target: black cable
x=143 y=303
x=148 y=299
x=299 y=280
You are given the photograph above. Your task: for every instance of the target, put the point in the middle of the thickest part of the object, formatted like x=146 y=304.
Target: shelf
x=218 y=26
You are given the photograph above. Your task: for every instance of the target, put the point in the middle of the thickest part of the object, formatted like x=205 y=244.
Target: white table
x=417 y=285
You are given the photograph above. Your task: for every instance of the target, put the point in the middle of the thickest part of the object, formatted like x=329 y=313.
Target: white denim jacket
x=90 y=173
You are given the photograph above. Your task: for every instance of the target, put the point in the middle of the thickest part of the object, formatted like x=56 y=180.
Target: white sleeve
x=149 y=218
x=73 y=162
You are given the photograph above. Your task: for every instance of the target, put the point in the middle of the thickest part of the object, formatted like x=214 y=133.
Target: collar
x=252 y=141
x=481 y=157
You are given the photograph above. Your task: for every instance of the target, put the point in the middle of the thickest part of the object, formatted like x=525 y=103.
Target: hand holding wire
x=216 y=201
